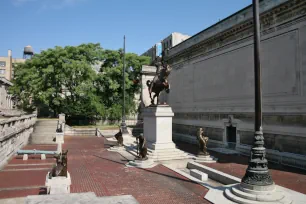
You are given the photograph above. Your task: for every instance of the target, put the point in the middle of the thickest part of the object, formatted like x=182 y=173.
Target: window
x=2 y=64
x=2 y=71
x=170 y=43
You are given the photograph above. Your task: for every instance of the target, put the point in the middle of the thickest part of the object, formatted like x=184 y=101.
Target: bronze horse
x=159 y=82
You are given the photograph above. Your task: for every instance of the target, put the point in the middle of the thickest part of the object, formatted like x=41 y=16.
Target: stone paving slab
x=236 y=165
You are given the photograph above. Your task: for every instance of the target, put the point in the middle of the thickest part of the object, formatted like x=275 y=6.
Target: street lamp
x=257 y=172
x=257 y=185
x=123 y=124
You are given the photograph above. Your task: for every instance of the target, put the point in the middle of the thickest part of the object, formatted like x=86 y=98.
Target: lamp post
x=123 y=124
x=257 y=172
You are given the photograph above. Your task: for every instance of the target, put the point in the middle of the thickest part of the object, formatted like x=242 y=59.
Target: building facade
x=7 y=65
x=6 y=101
x=212 y=82
x=172 y=40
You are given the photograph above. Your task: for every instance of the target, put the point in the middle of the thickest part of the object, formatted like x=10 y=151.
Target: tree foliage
x=63 y=79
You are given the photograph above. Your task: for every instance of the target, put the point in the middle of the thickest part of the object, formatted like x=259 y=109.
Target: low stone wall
x=14 y=134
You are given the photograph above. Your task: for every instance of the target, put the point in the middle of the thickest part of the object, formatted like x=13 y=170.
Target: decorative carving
x=142 y=148
x=278 y=18
x=257 y=178
x=257 y=172
x=119 y=138
x=60 y=169
x=202 y=142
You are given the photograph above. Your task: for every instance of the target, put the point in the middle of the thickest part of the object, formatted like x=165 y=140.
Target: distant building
x=167 y=43
x=7 y=65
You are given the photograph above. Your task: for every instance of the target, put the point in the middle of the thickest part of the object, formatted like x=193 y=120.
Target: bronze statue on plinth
x=160 y=81
x=142 y=149
x=202 y=142
x=61 y=165
x=119 y=138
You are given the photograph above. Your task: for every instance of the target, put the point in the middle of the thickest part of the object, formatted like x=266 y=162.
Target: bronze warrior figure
x=119 y=138
x=142 y=147
x=61 y=165
x=202 y=142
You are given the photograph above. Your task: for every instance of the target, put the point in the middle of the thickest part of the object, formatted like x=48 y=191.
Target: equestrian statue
x=159 y=82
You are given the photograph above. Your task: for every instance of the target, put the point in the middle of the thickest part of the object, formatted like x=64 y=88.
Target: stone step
x=61 y=198
x=84 y=198
x=48 y=134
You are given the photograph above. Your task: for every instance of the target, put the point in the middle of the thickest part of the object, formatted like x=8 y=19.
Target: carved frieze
x=280 y=17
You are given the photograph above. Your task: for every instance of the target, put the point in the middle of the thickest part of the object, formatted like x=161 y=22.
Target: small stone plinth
x=58 y=185
x=199 y=174
x=59 y=137
x=205 y=159
x=148 y=163
x=116 y=149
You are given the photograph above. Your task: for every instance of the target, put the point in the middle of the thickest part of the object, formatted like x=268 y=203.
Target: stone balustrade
x=14 y=134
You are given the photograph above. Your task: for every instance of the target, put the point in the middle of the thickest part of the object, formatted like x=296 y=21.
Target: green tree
x=63 y=80
x=109 y=82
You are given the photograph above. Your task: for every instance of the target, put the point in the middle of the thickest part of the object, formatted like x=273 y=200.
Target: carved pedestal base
x=148 y=163
x=116 y=149
x=58 y=185
x=205 y=159
x=250 y=194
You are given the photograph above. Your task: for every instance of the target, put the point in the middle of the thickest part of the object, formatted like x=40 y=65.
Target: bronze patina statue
x=61 y=165
x=59 y=127
x=159 y=82
x=202 y=142
x=142 y=149
x=119 y=138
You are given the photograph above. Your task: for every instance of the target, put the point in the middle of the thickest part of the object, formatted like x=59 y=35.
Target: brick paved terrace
x=94 y=169
x=236 y=165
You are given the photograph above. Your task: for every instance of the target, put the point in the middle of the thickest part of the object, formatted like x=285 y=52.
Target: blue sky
x=48 y=23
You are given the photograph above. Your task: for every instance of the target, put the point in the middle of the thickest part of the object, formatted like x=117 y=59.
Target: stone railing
x=14 y=134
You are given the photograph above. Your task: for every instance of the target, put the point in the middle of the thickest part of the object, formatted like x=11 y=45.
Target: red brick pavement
x=236 y=165
x=97 y=170
x=21 y=193
x=28 y=167
x=94 y=169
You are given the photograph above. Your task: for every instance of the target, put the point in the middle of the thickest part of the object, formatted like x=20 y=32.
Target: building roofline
x=276 y=3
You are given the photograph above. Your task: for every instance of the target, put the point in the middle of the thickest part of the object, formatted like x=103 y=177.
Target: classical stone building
x=172 y=40
x=7 y=65
x=212 y=82
x=6 y=101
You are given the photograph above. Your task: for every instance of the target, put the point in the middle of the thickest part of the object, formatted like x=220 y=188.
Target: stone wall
x=14 y=134
x=212 y=80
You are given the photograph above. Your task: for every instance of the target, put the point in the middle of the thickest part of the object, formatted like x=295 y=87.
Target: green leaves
x=63 y=80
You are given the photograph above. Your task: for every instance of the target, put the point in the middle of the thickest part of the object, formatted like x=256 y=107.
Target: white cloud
x=44 y=4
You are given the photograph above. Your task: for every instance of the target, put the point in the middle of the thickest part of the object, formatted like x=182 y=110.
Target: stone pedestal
x=249 y=194
x=59 y=136
x=149 y=163
x=205 y=159
x=116 y=149
x=158 y=134
x=58 y=185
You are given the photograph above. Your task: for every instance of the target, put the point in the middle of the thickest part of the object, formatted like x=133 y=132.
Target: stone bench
x=199 y=174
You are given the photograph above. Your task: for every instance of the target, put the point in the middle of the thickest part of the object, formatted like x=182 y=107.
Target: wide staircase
x=44 y=131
